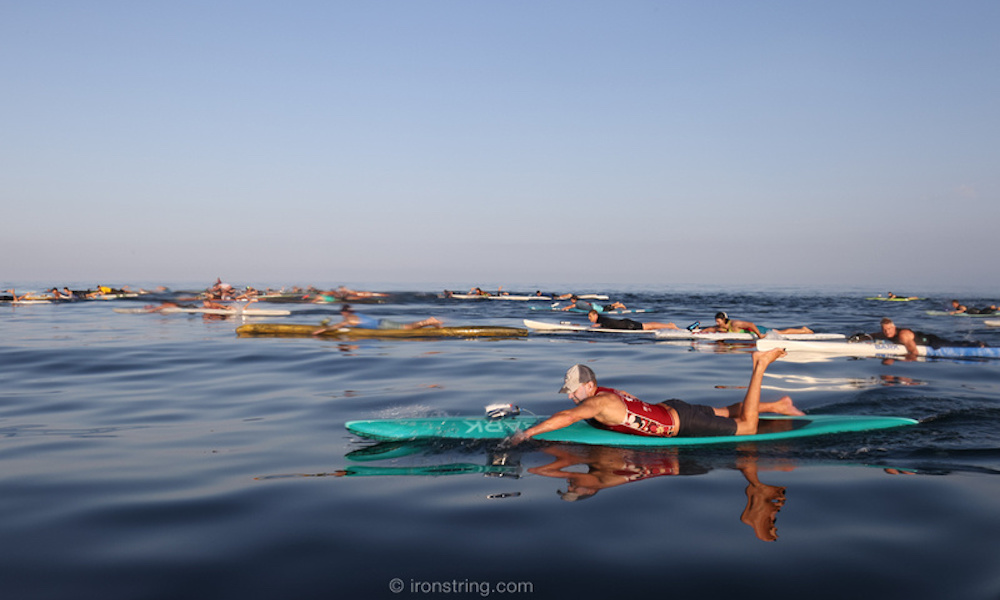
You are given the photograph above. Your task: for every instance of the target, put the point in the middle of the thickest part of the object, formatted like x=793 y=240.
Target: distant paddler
x=723 y=324
x=576 y=303
x=14 y=297
x=958 y=308
x=606 y=322
x=351 y=319
x=911 y=339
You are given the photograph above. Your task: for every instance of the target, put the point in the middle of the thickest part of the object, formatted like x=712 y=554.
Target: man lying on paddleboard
x=911 y=339
x=606 y=322
x=959 y=308
x=723 y=324
x=617 y=410
x=349 y=318
x=576 y=303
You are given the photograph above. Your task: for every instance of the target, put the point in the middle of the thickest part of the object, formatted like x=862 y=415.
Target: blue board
x=482 y=428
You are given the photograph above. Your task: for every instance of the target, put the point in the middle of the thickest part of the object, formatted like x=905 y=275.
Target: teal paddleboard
x=482 y=428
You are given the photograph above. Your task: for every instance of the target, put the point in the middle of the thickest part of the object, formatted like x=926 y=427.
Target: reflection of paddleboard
x=422 y=471
x=294 y=330
x=804 y=383
x=992 y=322
x=481 y=428
x=875 y=349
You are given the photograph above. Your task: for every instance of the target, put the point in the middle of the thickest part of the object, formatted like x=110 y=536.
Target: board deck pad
x=481 y=428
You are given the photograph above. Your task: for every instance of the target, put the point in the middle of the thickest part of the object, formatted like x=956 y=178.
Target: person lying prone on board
x=349 y=318
x=605 y=322
x=959 y=308
x=617 y=410
x=911 y=339
x=723 y=324
x=575 y=302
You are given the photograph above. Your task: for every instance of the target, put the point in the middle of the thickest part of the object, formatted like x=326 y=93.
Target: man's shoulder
x=605 y=395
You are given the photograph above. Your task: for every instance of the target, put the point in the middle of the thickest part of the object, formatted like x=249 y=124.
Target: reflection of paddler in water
x=608 y=467
x=611 y=467
x=723 y=324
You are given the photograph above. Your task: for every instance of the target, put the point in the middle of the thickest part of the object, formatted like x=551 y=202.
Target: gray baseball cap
x=576 y=376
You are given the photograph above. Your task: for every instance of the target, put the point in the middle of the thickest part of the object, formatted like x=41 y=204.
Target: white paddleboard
x=876 y=349
x=684 y=334
x=520 y=298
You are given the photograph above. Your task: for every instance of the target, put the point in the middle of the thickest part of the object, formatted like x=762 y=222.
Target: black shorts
x=609 y=323
x=700 y=421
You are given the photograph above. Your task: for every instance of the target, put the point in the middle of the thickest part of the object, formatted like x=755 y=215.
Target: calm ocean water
x=149 y=456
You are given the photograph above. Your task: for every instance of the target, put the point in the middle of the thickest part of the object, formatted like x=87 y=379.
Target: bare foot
x=784 y=406
x=766 y=357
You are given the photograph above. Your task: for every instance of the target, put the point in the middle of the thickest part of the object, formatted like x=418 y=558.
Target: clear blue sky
x=501 y=142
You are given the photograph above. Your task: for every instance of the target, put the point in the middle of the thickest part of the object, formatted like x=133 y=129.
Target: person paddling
x=349 y=318
x=617 y=410
x=606 y=322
